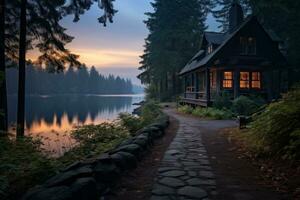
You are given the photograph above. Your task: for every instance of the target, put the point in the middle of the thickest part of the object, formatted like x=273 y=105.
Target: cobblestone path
x=185 y=172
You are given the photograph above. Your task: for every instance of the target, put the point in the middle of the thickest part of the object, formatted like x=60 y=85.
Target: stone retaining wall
x=93 y=178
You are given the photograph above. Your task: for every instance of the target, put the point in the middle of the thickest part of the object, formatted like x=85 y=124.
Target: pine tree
x=220 y=10
x=175 y=33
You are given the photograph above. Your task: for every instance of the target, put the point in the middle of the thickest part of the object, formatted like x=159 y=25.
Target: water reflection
x=52 y=117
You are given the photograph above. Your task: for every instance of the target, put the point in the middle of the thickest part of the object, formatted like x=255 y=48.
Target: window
x=256 y=80
x=244 y=80
x=210 y=49
x=213 y=80
x=227 y=79
x=247 y=45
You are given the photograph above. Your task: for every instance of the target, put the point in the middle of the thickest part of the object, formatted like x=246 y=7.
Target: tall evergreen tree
x=3 y=90
x=283 y=18
x=175 y=29
x=220 y=10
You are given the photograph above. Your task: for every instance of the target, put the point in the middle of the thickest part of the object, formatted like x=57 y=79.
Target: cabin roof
x=195 y=64
x=221 y=39
x=214 y=37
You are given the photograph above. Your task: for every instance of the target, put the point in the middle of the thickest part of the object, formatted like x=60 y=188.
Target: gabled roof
x=195 y=63
x=214 y=37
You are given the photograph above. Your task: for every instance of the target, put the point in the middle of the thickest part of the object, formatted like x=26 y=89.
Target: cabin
x=246 y=60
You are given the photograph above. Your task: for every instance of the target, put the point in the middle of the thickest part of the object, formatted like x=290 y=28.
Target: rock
x=162 y=190
x=68 y=177
x=173 y=173
x=192 y=192
x=124 y=160
x=142 y=142
x=84 y=189
x=131 y=148
x=107 y=172
x=54 y=193
x=126 y=142
x=171 y=182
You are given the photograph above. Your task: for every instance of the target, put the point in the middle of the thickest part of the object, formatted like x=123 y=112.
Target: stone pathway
x=185 y=172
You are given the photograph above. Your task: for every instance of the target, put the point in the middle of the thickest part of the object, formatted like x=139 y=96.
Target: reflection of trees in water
x=38 y=108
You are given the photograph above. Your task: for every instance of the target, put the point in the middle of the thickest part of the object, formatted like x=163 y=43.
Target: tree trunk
x=22 y=68
x=3 y=91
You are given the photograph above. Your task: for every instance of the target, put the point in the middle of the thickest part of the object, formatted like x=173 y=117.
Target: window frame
x=224 y=80
x=248 y=45
x=245 y=81
x=259 y=80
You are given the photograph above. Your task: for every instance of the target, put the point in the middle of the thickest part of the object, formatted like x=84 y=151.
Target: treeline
x=73 y=81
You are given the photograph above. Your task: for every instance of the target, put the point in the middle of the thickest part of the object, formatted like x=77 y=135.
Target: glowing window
x=256 y=80
x=244 y=80
x=227 y=80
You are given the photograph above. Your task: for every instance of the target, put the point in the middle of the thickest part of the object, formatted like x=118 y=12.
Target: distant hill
x=137 y=89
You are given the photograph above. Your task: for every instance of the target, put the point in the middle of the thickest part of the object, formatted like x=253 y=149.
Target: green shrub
x=22 y=165
x=212 y=113
x=150 y=111
x=131 y=122
x=185 y=109
x=244 y=106
x=222 y=101
x=277 y=129
x=92 y=140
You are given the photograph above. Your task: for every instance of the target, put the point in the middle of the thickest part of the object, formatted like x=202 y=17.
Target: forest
x=74 y=81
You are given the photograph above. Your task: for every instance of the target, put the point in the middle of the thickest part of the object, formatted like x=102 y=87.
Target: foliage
x=81 y=81
x=246 y=106
x=185 y=109
x=277 y=129
x=222 y=101
x=93 y=140
x=131 y=122
x=22 y=165
x=211 y=113
x=175 y=32
x=150 y=112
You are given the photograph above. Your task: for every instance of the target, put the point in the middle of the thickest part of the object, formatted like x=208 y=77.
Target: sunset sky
x=116 y=48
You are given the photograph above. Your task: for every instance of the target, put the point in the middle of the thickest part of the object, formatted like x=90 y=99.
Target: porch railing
x=194 y=95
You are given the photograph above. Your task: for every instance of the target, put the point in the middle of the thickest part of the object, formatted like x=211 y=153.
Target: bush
x=131 y=122
x=22 y=165
x=92 y=140
x=185 y=109
x=212 y=113
x=244 y=106
x=150 y=111
x=277 y=129
x=222 y=101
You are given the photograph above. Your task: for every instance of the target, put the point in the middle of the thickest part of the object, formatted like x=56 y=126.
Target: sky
x=114 y=49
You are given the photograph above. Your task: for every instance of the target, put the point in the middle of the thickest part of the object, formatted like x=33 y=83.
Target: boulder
x=124 y=160
x=84 y=189
x=131 y=148
x=53 y=193
x=107 y=172
x=66 y=178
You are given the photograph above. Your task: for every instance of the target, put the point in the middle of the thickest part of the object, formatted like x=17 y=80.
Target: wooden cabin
x=246 y=60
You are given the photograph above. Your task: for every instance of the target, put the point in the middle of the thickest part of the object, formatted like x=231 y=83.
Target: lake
x=52 y=117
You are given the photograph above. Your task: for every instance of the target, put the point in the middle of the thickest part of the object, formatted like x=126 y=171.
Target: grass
x=209 y=113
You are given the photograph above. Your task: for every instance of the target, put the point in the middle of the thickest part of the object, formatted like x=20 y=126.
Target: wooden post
x=207 y=74
x=236 y=82
x=196 y=85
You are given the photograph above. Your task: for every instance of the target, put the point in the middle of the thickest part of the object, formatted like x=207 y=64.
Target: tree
x=283 y=18
x=175 y=33
x=44 y=27
x=222 y=12
x=3 y=90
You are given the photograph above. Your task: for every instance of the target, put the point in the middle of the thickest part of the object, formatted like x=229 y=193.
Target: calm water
x=53 y=117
